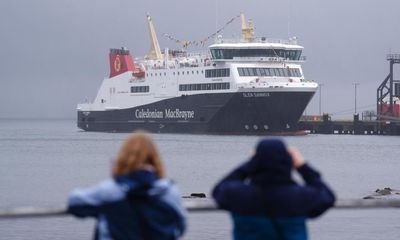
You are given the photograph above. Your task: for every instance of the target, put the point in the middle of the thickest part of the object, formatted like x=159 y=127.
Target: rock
x=368 y=197
x=198 y=195
x=385 y=191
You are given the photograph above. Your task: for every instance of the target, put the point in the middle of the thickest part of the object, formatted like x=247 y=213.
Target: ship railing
x=303 y=58
x=179 y=63
x=292 y=41
x=262 y=59
x=202 y=54
x=179 y=66
x=199 y=205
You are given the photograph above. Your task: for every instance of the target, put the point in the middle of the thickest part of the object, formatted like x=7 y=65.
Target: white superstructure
x=270 y=63
x=247 y=65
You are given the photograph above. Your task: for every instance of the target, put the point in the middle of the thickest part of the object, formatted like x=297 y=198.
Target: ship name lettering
x=177 y=113
x=168 y=113
x=261 y=94
x=148 y=114
x=247 y=94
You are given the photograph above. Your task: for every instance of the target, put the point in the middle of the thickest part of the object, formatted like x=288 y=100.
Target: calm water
x=42 y=161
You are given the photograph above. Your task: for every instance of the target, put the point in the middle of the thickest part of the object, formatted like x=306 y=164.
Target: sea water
x=41 y=161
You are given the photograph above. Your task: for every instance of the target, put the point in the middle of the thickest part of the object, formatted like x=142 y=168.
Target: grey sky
x=53 y=54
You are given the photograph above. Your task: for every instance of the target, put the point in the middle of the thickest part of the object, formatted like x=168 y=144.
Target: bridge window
x=140 y=89
x=281 y=72
x=232 y=53
x=269 y=72
x=204 y=86
x=298 y=74
x=214 y=73
x=241 y=71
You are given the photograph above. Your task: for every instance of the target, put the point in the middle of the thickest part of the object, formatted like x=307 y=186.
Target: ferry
x=246 y=86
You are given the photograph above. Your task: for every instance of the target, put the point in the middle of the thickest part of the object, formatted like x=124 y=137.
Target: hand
x=297 y=158
x=251 y=166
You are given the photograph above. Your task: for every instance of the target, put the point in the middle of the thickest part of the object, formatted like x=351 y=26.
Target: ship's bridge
x=268 y=49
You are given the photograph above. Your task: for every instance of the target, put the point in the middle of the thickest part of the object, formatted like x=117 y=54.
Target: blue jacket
x=265 y=202
x=137 y=206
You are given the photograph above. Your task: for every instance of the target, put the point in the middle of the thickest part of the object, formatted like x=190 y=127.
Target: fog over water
x=53 y=54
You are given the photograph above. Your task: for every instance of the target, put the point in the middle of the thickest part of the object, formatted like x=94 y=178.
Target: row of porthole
x=255 y=127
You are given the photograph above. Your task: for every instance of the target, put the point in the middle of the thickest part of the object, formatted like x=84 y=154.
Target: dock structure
x=386 y=120
x=388 y=92
x=325 y=125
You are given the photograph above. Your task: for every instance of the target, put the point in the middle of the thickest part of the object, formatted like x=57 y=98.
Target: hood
x=142 y=183
x=272 y=164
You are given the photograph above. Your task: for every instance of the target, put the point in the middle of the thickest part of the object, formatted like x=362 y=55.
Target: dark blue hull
x=221 y=113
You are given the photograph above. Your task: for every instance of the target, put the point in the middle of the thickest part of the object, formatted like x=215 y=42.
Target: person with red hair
x=138 y=202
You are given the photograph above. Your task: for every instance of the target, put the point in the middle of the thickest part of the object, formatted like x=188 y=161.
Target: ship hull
x=243 y=113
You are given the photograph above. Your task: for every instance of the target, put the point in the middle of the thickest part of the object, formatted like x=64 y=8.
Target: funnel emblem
x=117 y=64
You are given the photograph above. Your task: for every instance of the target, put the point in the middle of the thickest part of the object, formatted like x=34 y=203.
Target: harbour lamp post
x=355 y=97
x=320 y=97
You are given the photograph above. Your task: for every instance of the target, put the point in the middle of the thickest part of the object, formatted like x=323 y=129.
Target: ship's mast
x=247 y=29
x=155 y=51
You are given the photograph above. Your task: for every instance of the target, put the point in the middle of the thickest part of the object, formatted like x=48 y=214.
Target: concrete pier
x=356 y=127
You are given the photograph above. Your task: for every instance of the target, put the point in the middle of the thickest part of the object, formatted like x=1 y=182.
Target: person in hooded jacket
x=137 y=202
x=264 y=200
